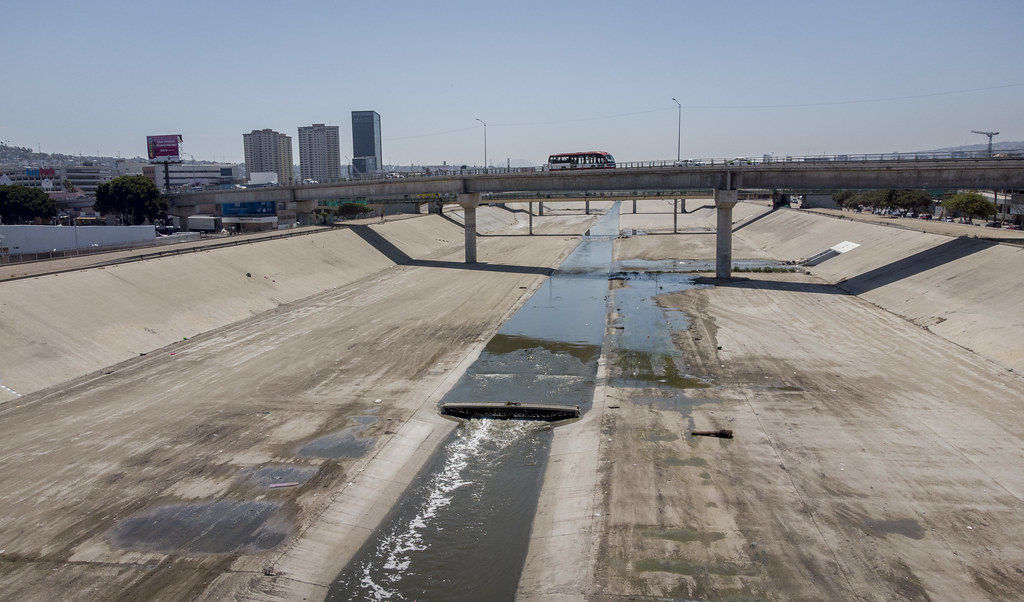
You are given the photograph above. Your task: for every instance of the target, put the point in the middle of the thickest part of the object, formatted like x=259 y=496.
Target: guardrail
x=716 y=161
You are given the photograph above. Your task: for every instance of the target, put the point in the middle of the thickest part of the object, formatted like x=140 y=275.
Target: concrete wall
x=823 y=201
x=66 y=325
x=964 y=289
x=41 y=239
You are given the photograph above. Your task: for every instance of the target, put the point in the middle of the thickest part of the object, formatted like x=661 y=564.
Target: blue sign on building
x=254 y=208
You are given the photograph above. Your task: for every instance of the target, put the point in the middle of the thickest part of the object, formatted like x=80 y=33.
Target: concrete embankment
x=874 y=430
x=60 y=326
x=964 y=289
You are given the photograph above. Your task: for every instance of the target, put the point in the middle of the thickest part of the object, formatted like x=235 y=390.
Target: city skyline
x=643 y=81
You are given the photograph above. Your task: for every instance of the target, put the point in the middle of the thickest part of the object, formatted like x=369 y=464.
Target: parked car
x=1013 y=227
x=992 y=225
x=925 y=216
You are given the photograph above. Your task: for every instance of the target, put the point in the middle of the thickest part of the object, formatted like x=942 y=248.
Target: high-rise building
x=319 y=153
x=367 y=156
x=269 y=151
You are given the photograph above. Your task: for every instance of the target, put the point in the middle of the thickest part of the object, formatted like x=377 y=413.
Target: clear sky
x=753 y=77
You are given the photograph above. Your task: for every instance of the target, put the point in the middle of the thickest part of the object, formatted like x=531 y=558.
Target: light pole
x=485 y=140
x=679 y=128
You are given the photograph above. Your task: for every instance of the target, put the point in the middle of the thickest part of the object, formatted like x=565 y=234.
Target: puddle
x=642 y=332
x=673 y=403
x=906 y=527
x=220 y=527
x=270 y=475
x=638 y=369
x=345 y=443
x=689 y=266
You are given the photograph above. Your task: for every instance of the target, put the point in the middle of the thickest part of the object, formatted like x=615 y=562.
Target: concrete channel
x=191 y=431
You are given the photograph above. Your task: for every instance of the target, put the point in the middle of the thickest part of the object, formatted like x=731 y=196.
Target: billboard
x=252 y=208
x=163 y=148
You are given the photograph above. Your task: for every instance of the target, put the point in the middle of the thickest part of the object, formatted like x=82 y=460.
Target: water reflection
x=462 y=529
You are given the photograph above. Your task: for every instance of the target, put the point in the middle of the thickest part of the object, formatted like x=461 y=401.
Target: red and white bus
x=590 y=160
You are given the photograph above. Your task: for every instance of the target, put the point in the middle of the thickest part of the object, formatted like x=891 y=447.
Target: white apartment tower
x=267 y=150
x=319 y=153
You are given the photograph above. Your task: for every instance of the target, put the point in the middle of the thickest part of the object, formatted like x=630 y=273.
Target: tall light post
x=485 y=140
x=679 y=128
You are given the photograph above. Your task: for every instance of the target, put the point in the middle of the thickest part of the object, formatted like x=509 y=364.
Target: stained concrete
x=875 y=453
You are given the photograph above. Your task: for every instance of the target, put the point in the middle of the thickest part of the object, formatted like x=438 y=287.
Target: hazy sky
x=753 y=77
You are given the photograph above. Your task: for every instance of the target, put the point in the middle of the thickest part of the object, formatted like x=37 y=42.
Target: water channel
x=461 y=530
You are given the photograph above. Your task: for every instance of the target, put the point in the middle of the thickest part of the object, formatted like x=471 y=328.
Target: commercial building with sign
x=367 y=156
x=194 y=176
x=319 y=153
x=269 y=151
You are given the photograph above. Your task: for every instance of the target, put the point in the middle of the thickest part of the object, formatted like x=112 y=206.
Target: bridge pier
x=469 y=201
x=725 y=200
x=181 y=212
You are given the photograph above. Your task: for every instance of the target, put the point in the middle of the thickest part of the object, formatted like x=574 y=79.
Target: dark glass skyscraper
x=367 y=156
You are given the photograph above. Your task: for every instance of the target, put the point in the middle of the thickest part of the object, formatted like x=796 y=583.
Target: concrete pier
x=469 y=201
x=725 y=200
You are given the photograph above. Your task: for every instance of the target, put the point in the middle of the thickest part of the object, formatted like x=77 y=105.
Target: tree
x=844 y=198
x=903 y=200
x=969 y=204
x=350 y=210
x=19 y=204
x=135 y=198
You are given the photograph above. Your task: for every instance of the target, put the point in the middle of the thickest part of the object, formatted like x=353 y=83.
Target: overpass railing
x=1013 y=154
x=714 y=161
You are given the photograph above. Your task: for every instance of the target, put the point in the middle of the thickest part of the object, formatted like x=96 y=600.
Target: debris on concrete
x=723 y=433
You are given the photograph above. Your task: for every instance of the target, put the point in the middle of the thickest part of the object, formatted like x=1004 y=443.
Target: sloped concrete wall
x=61 y=326
x=967 y=290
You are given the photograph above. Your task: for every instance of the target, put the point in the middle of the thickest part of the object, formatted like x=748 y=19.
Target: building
x=319 y=153
x=267 y=150
x=193 y=176
x=87 y=176
x=367 y=156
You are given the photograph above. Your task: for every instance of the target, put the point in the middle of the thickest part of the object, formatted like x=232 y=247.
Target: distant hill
x=996 y=147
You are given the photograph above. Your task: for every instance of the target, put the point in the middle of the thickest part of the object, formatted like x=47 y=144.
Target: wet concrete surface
x=473 y=505
x=345 y=443
x=217 y=527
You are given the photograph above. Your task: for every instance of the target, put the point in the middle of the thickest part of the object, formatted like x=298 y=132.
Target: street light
x=485 y=140
x=679 y=128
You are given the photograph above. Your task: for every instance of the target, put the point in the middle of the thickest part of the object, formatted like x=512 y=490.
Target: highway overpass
x=627 y=182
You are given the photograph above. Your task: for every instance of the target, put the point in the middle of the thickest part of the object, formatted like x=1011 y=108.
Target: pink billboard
x=163 y=148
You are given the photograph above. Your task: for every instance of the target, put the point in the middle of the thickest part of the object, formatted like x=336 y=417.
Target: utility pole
x=989 y=134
